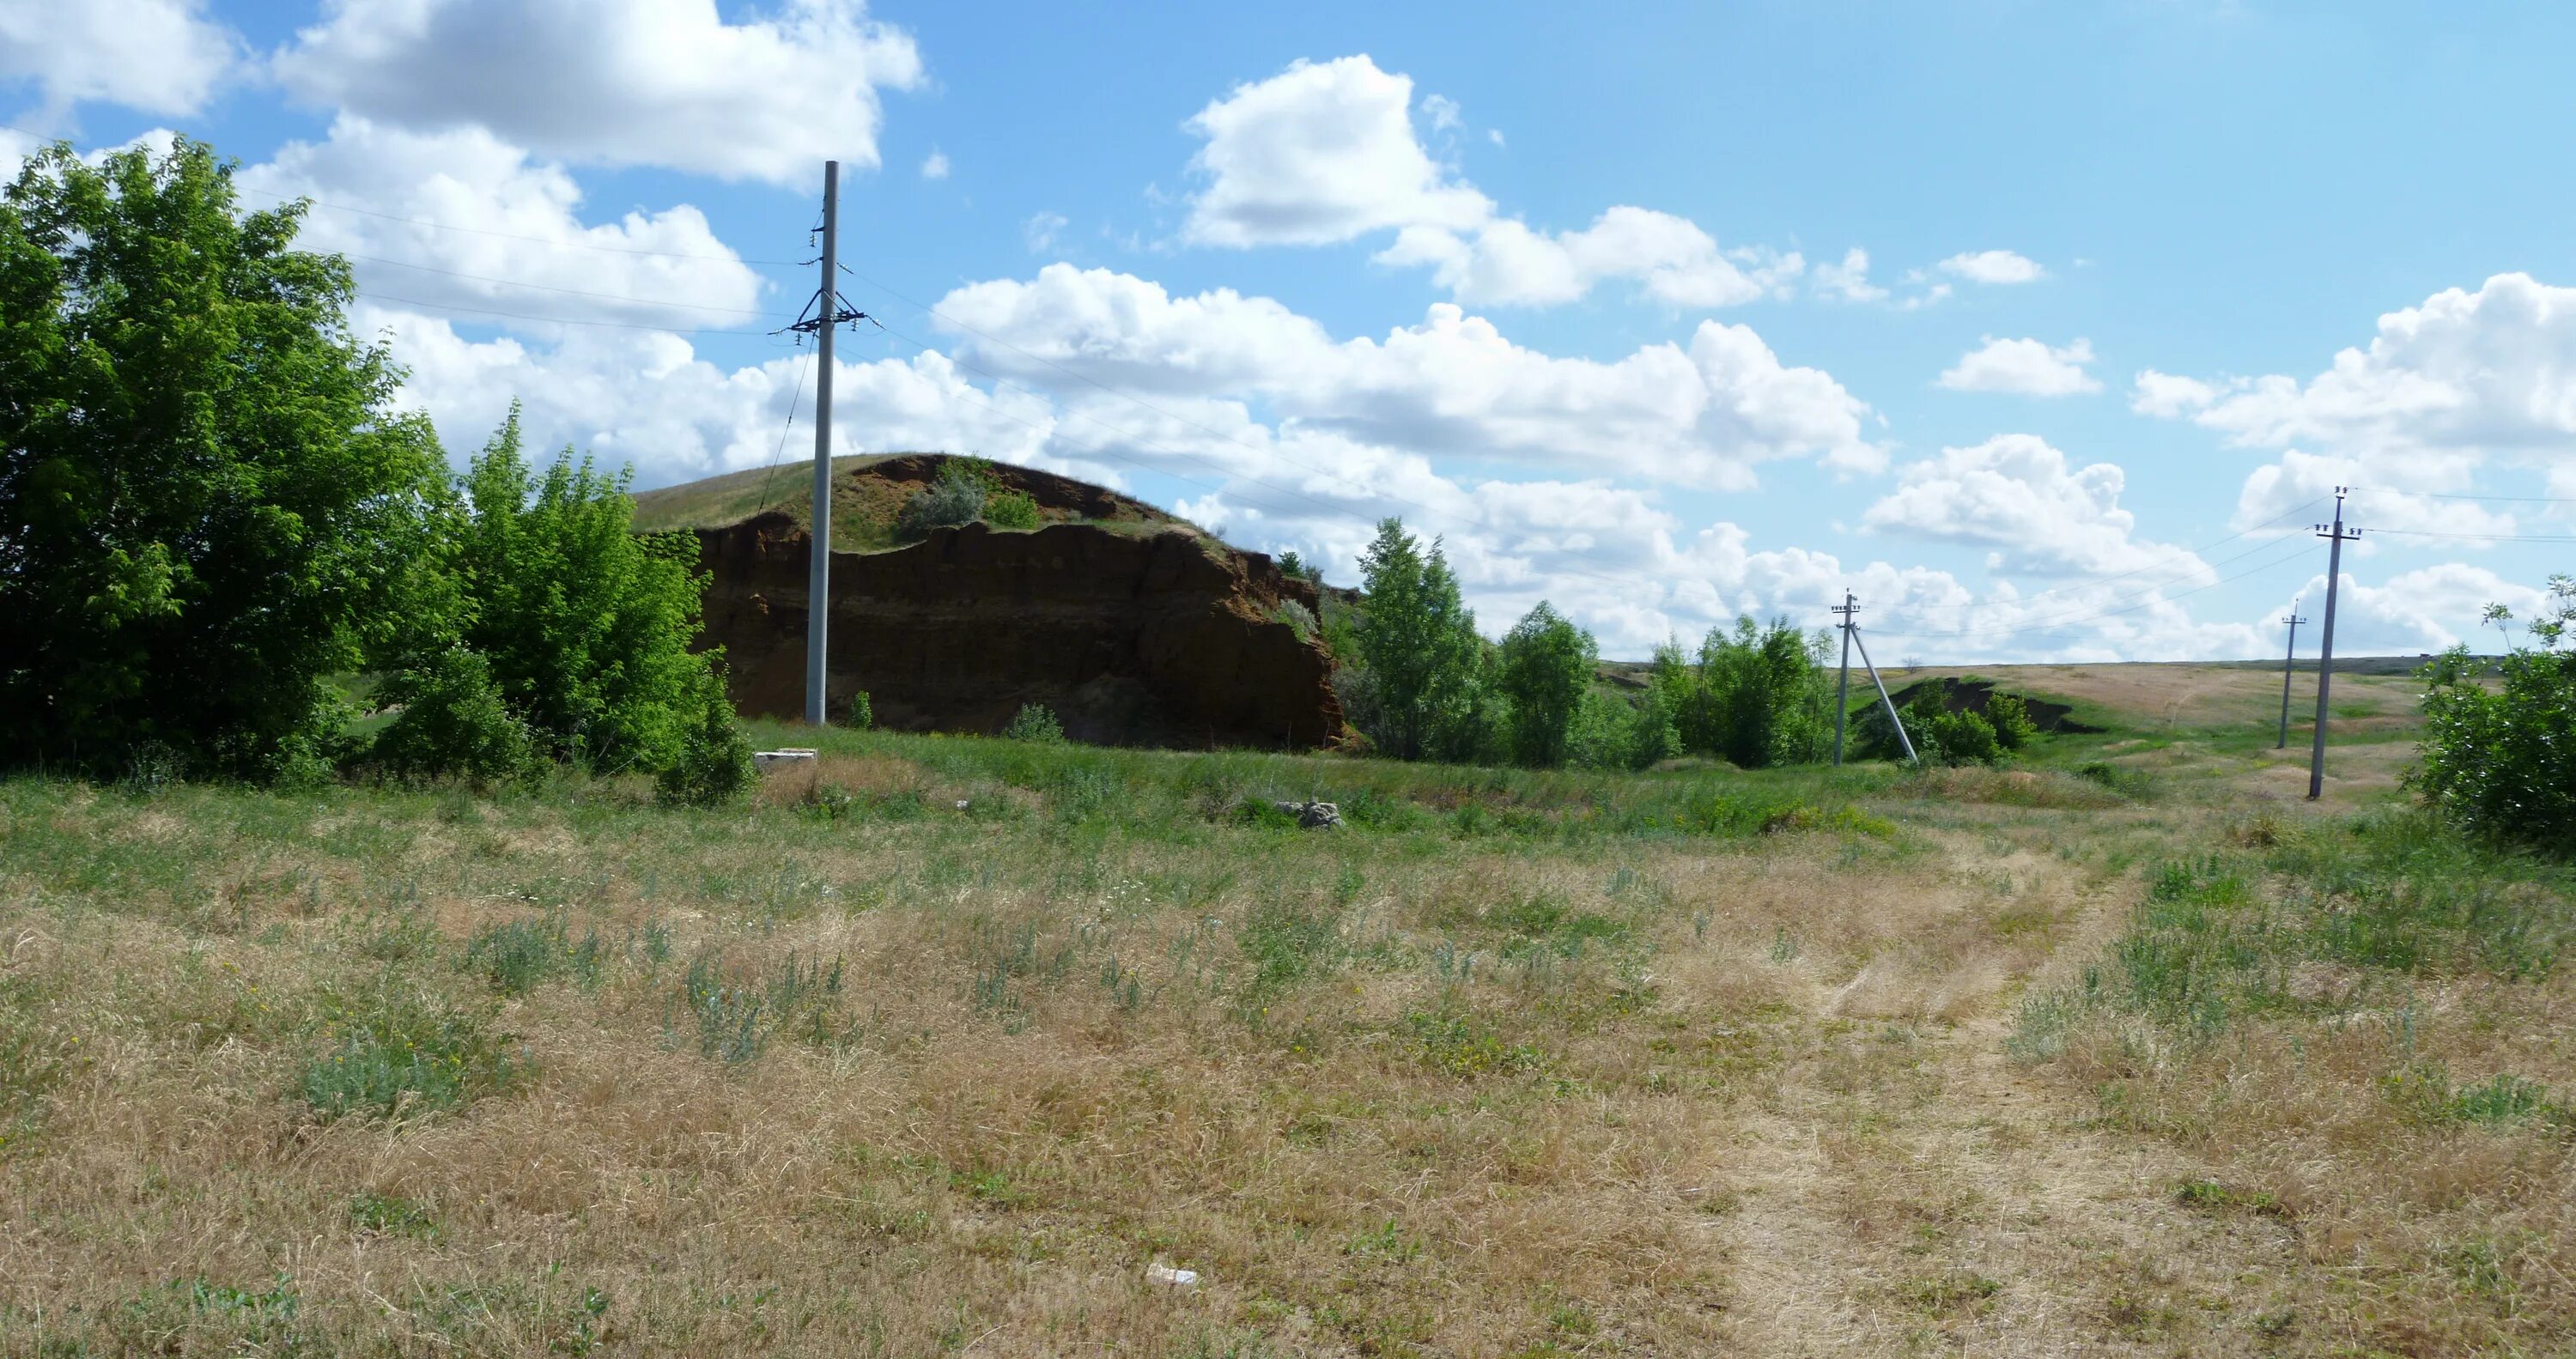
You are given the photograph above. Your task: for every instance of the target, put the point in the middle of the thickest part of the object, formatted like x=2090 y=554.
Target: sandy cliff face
x=1132 y=635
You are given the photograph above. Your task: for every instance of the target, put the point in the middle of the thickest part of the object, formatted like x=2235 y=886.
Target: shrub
x=1011 y=510
x=2010 y=717
x=587 y=625
x=1299 y=618
x=713 y=764
x=2502 y=762
x=454 y=721
x=1960 y=738
x=1035 y=722
x=863 y=714
x=396 y=1053
x=956 y=498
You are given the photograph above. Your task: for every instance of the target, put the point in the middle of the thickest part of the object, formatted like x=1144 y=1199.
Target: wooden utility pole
x=818 y=581
x=2325 y=649
x=2287 y=664
x=1842 y=687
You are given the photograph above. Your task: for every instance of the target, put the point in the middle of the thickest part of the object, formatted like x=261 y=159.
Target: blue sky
x=2047 y=329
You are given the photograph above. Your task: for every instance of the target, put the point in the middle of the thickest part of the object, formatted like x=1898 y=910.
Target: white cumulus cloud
x=1669 y=258
x=617 y=82
x=1321 y=152
x=159 y=56
x=1993 y=267
x=523 y=245
x=2022 y=498
x=2024 y=368
x=1703 y=414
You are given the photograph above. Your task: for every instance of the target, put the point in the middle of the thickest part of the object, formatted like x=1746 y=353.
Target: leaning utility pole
x=2287 y=663
x=2325 y=649
x=1842 y=688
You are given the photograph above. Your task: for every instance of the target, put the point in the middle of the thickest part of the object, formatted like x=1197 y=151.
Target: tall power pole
x=2287 y=663
x=818 y=581
x=1842 y=688
x=2325 y=649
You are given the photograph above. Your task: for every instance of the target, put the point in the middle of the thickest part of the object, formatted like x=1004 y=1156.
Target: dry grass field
x=942 y=1047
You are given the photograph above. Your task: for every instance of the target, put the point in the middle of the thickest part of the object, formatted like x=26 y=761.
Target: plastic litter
x=1176 y=1278
x=766 y=760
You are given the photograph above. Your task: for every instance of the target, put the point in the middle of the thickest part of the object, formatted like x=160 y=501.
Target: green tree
x=1761 y=697
x=1546 y=670
x=1418 y=642
x=208 y=504
x=2502 y=761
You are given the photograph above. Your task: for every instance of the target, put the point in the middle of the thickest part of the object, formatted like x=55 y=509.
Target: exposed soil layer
x=1971 y=696
x=1156 y=637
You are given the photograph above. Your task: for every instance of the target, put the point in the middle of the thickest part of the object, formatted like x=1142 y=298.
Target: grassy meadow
x=940 y=1045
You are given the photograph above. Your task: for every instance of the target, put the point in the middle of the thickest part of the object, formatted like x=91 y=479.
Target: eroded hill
x=1134 y=627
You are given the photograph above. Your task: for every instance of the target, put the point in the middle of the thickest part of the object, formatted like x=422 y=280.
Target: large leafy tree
x=1547 y=665
x=207 y=504
x=1418 y=640
x=1756 y=696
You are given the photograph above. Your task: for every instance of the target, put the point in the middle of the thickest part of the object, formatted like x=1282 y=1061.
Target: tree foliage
x=1419 y=645
x=207 y=502
x=2501 y=761
x=1545 y=672
x=1756 y=696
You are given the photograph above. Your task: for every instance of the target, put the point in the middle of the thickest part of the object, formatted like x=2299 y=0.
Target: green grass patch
x=394 y=1053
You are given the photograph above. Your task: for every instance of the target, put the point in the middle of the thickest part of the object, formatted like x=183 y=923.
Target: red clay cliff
x=1138 y=634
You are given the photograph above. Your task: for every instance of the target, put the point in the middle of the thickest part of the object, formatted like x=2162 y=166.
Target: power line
x=2058 y=625
x=2484 y=537
x=2451 y=495
x=2189 y=552
x=798 y=394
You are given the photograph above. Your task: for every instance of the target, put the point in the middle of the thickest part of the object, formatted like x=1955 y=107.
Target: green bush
x=1011 y=510
x=2010 y=717
x=2501 y=762
x=713 y=764
x=454 y=721
x=1035 y=722
x=1299 y=618
x=863 y=714
x=956 y=498
x=1961 y=737
x=587 y=624
x=209 y=503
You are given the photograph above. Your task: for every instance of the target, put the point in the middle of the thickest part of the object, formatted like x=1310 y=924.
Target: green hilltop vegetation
x=867 y=509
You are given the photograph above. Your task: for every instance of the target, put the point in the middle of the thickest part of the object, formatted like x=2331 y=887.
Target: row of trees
x=1422 y=684
x=212 y=512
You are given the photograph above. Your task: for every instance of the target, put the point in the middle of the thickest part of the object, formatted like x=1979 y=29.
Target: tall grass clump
x=394 y=1052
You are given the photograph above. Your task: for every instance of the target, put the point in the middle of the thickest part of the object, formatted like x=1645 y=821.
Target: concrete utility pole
x=1842 y=688
x=818 y=585
x=2325 y=649
x=1889 y=703
x=2287 y=663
